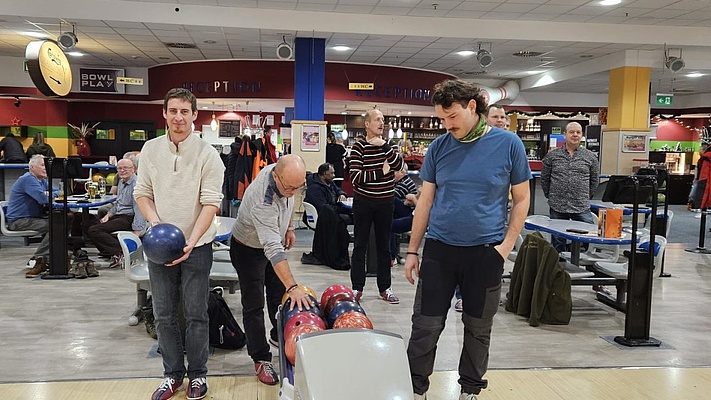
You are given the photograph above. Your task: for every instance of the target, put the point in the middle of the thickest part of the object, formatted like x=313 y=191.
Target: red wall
x=275 y=79
x=672 y=130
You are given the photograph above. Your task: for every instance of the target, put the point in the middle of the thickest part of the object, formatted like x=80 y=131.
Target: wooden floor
x=588 y=384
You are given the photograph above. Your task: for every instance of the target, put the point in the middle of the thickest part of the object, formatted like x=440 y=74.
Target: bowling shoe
x=197 y=389
x=167 y=389
x=266 y=372
x=389 y=296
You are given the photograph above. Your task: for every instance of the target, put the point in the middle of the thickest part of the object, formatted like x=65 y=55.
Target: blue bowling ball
x=287 y=314
x=163 y=243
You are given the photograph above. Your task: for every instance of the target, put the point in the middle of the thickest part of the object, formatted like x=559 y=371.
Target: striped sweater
x=365 y=164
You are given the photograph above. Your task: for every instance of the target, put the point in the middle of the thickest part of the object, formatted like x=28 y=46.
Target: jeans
x=255 y=274
x=379 y=214
x=40 y=225
x=558 y=242
x=477 y=270
x=188 y=281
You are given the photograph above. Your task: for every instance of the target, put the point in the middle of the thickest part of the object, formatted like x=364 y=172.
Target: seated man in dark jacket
x=320 y=191
x=12 y=150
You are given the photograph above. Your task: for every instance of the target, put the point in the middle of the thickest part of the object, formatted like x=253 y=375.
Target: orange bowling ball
x=96 y=177
x=290 y=341
x=303 y=288
x=353 y=319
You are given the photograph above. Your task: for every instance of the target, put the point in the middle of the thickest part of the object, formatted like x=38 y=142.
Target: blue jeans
x=558 y=242
x=188 y=281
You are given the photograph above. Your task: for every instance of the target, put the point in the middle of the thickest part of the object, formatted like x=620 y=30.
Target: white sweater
x=180 y=180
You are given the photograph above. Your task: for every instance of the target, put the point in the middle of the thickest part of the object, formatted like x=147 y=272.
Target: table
x=560 y=227
x=58 y=256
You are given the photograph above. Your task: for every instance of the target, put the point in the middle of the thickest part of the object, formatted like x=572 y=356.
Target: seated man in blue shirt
x=29 y=198
x=123 y=216
x=320 y=191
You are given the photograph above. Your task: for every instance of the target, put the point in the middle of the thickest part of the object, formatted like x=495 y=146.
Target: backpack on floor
x=225 y=332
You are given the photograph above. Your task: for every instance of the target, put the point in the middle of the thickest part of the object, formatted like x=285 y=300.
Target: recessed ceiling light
x=75 y=53
x=694 y=75
x=39 y=35
x=341 y=48
x=204 y=107
x=409 y=113
x=610 y=2
x=527 y=54
x=344 y=112
x=466 y=53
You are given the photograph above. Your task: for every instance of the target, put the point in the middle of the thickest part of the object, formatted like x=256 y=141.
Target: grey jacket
x=264 y=216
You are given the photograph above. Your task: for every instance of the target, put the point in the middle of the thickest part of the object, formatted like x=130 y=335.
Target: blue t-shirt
x=473 y=182
x=27 y=198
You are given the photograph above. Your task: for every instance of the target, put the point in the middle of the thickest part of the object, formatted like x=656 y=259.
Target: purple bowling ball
x=163 y=243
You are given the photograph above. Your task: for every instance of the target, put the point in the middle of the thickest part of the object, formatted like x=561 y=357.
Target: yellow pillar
x=628 y=99
x=627 y=114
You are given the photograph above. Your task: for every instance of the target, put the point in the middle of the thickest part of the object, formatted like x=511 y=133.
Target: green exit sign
x=664 y=99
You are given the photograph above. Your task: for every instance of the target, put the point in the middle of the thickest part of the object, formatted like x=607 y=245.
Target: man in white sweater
x=180 y=182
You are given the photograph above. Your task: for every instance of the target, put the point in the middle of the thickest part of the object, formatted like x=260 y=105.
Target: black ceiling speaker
x=67 y=40
x=284 y=50
x=484 y=57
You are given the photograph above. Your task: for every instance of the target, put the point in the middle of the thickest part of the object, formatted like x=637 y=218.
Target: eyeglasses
x=123 y=168
x=289 y=188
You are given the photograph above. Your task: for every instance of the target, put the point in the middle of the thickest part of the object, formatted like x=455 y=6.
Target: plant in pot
x=81 y=133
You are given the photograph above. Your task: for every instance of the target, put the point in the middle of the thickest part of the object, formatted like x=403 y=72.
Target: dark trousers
x=560 y=243
x=477 y=270
x=101 y=233
x=255 y=274
x=379 y=214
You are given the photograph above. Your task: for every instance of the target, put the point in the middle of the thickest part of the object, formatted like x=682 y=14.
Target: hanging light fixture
x=213 y=123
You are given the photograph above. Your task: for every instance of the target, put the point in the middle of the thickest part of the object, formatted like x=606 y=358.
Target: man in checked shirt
x=569 y=178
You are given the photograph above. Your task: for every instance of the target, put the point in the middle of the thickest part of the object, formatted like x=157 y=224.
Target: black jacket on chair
x=540 y=287
x=331 y=239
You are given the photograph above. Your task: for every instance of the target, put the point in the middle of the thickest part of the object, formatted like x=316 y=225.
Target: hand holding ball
x=163 y=243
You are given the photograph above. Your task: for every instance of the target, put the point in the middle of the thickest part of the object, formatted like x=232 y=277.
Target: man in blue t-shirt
x=466 y=178
x=28 y=198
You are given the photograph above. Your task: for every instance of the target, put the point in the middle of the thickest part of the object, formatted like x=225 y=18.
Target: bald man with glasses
x=260 y=238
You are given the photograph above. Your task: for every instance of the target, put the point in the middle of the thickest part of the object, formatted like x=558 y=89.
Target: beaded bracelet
x=291 y=288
